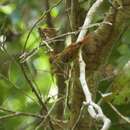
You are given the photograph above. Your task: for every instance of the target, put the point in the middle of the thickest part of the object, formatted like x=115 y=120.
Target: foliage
x=16 y=20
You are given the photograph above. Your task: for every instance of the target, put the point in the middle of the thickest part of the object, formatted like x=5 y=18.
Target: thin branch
x=33 y=88
x=67 y=10
x=18 y=114
x=88 y=19
x=48 y=114
x=15 y=114
x=68 y=85
x=126 y=119
x=79 y=116
x=48 y=18
x=74 y=14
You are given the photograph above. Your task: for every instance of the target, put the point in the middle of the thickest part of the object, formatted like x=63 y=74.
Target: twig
x=74 y=14
x=48 y=18
x=33 y=88
x=48 y=46
x=68 y=11
x=126 y=119
x=18 y=114
x=68 y=85
x=47 y=115
x=14 y=114
x=79 y=116
x=88 y=19
x=94 y=110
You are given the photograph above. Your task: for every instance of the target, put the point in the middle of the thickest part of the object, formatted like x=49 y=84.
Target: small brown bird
x=46 y=33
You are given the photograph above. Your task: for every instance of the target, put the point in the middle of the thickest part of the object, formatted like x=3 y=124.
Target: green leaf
x=121 y=87
x=7 y=9
x=16 y=76
x=54 y=12
x=124 y=49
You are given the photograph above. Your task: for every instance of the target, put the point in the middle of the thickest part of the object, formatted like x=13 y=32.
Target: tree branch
x=94 y=110
x=48 y=19
x=15 y=114
x=126 y=119
x=45 y=110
